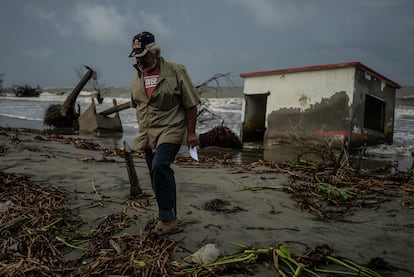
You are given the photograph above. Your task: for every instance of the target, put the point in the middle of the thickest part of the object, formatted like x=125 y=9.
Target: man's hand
x=192 y=140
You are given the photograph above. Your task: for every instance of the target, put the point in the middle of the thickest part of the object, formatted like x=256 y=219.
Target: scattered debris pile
x=30 y=225
x=314 y=261
x=38 y=231
x=332 y=190
x=220 y=205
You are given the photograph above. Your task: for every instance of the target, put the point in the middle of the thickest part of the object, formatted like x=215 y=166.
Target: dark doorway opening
x=253 y=125
x=374 y=113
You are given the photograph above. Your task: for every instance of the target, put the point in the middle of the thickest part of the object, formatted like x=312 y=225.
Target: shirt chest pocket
x=167 y=96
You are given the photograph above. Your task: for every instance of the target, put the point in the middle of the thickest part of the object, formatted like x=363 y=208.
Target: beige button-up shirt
x=162 y=118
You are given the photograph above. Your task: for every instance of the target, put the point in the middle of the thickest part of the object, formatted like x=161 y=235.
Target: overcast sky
x=44 y=42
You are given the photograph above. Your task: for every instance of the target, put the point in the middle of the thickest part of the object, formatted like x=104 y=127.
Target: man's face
x=146 y=62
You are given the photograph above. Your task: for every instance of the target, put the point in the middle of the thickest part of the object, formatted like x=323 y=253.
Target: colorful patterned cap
x=140 y=44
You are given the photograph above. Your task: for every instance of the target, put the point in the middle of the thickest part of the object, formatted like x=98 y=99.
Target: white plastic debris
x=205 y=255
x=4 y=205
x=193 y=153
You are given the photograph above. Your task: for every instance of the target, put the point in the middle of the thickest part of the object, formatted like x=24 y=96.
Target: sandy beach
x=96 y=185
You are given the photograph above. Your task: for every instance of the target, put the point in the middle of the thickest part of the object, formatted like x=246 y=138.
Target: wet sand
x=262 y=218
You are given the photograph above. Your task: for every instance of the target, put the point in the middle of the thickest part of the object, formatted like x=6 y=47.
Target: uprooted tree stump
x=65 y=115
x=220 y=136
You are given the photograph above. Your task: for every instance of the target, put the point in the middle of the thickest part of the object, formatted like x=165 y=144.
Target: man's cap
x=140 y=44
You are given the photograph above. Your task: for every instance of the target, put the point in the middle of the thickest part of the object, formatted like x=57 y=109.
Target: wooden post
x=133 y=178
x=116 y=108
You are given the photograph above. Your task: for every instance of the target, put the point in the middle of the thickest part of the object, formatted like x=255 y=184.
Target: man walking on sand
x=166 y=106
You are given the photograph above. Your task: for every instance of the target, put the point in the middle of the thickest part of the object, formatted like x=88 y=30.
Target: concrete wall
x=301 y=89
x=303 y=103
x=369 y=88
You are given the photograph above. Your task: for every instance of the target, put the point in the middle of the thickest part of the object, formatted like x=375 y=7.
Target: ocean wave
x=23 y=117
x=384 y=150
x=404 y=110
x=227 y=111
x=32 y=99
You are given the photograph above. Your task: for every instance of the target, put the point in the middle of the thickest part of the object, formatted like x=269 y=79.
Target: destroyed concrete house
x=344 y=101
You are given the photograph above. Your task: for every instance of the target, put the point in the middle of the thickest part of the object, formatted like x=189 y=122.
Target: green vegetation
x=27 y=91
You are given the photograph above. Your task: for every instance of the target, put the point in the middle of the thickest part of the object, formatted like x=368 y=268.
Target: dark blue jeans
x=162 y=179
